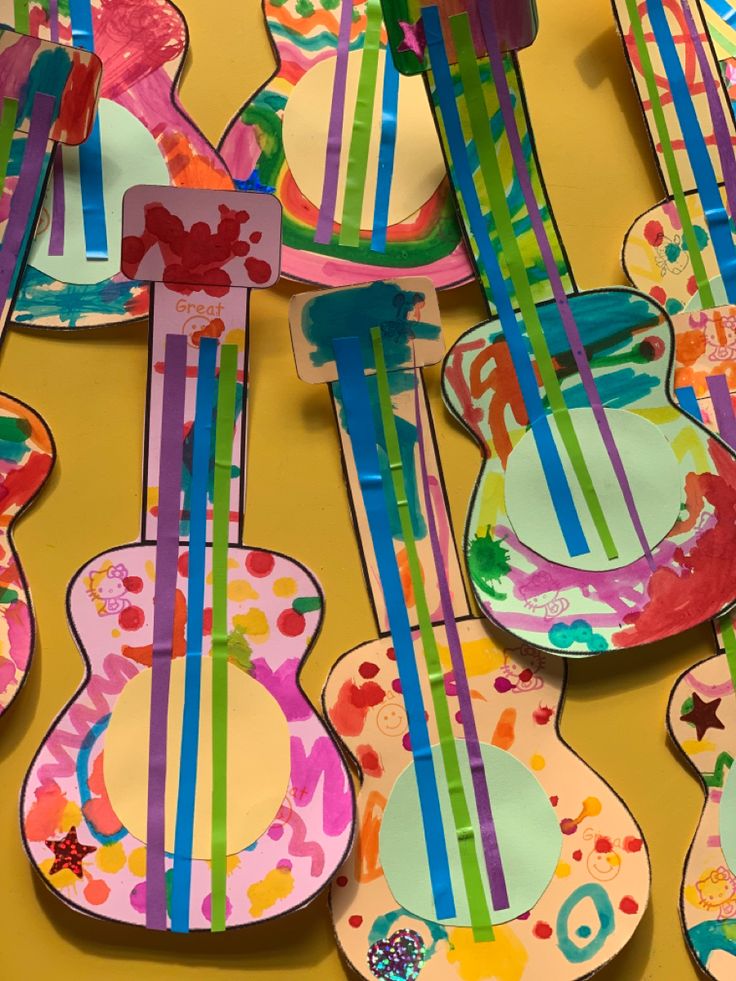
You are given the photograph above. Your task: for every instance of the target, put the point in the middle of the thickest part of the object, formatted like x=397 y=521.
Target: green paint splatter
x=304 y=8
x=239 y=650
x=307 y=604
x=8 y=596
x=488 y=561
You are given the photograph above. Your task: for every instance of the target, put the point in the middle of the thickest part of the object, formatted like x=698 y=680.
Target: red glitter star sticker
x=68 y=853
x=703 y=715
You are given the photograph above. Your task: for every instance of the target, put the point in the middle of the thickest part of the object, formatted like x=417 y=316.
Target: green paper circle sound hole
x=528 y=831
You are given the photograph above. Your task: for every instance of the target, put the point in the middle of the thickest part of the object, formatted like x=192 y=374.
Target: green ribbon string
x=668 y=154
x=21 y=9
x=729 y=643
x=7 y=131
x=360 y=139
x=480 y=917
x=491 y=172
x=220 y=530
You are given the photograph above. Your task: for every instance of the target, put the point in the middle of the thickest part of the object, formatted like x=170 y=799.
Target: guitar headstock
x=30 y=66
x=515 y=20
x=194 y=239
x=405 y=309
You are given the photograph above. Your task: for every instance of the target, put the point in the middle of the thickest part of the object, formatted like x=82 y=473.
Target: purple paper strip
x=488 y=836
x=723 y=407
x=490 y=33
x=58 y=209
x=717 y=113
x=167 y=555
x=326 y=219
x=23 y=197
x=54 y=22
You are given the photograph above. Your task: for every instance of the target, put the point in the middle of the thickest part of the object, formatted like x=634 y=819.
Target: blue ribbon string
x=90 y=152
x=702 y=166
x=725 y=11
x=361 y=429
x=386 y=153
x=549 y=456
x=185 y=805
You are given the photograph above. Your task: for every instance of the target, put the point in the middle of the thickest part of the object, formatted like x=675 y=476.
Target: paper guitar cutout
x=143 y=136
x=350 y=150
x=242 y=808
x=47 y=96
x=535 y=865
x=590 y=529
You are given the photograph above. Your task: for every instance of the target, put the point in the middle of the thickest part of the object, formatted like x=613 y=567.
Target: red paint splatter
x=628 y=905
x=632 y=844
x=542 y=930
x=368 y=670
x=131 y=618
x=291 y=623
x=260 y=564
x=341 y=880
x=351 y=707
x=654 y=233
x=45 y=814
x=390 y=653
x=370 y=761
x=134 y=584
x=577 y=855
x=182 y=566
x=554 y=800
x=542 y=715
x=603 y=845
x=355 y=921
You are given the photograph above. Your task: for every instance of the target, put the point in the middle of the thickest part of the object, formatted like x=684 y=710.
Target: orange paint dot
x=96 y=892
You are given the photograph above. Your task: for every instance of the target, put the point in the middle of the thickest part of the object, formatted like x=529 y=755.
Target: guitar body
x=702 y=722
x=26 y=457
x=293 y=789
x=529 y=585
x=147 y=138
x=577 y=847
x=265 y=146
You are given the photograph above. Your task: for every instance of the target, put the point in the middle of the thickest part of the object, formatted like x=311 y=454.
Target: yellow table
x=90 y=389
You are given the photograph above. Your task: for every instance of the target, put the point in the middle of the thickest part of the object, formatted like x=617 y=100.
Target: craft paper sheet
x=146 y=138
x=270 y=145
x=573 y=857
x=290 y=800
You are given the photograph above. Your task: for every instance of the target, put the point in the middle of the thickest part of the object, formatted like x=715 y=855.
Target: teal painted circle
x=130 y=156
x=528 y=831
x=727 y=819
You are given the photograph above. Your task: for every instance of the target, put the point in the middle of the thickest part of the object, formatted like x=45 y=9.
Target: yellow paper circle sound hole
x=418 y=165
x=654 y=477
x=258 y=762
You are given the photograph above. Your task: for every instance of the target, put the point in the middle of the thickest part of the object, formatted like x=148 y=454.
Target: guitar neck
x=687 y=57
x=194 y=315
x=404 y=408
x=528 y=243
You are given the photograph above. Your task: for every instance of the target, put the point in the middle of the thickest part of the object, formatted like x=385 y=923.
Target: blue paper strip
x=358 y=408
x=184 y=832
x=725 y=11
x=549 y=456
x=90 y=152
x=386 y=153
x=705 y=178
x=689 y=402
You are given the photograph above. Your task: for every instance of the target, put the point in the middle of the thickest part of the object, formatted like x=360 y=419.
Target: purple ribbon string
x=326 y=220
x=54 y=21
x=58 y=208
x=22 y=202
x=489 y=838
x=490 y=34
x=167 y=555
x=718 y=115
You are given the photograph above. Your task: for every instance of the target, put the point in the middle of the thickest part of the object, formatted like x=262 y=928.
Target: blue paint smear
x=705 y=938
x=48 y=74
x=83 y=756
x=72 y=304
x=574 y=953
x=617 y=389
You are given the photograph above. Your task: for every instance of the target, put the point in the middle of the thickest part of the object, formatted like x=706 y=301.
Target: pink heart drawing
x=398 y=958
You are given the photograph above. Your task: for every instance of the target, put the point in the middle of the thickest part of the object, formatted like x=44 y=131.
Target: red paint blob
x=502 y=685
x=368 y=670
x=341 y=880
x=629 y=905
x=355 y=921
x=603 y=845
x=258 y=270
x=577 y=855
x=182 y=565
x=632 y=844
x=542 y=930
x=390 y=653
x=259 y=564
x=291 y=623
x=134 y=584
x=542 y=715
x=131 y=618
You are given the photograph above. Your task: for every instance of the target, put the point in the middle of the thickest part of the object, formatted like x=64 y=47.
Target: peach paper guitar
x=485 y=847
x=47 y=97
x=603 y=517
x=189 y=784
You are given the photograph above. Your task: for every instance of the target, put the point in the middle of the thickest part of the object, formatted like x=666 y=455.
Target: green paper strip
x=729 y=643
x=360 y=139
x=7 y=131
x=491 y=172
x=220 y=529
x=22 y=13
x=673 y=175
x=480 y=917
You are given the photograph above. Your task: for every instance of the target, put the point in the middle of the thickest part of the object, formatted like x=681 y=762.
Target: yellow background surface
x=90 y=389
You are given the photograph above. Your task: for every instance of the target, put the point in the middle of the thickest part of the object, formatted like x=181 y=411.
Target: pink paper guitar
x=143 y=136
x=116 y=805
x=574 y=871
x=47 y=96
